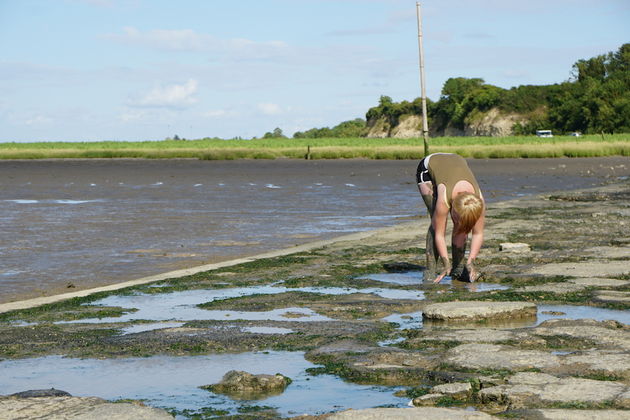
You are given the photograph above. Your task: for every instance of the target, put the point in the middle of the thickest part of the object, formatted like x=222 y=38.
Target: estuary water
x=74 y=224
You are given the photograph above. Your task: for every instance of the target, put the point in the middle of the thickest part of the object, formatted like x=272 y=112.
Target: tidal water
x=75 y=224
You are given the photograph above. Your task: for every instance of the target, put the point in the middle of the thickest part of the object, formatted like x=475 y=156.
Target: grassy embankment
x=389 y=148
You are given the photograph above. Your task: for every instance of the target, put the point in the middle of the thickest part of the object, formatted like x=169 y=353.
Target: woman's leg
x=458 y=248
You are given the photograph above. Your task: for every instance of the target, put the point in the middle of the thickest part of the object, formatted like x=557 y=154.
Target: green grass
x=328 y=148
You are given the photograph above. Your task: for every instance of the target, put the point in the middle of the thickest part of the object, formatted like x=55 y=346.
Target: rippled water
x=182 y=305
x=84 y=223
x=173 y=382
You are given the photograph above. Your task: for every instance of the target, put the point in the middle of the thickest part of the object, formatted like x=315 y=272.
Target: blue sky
x=85 y=70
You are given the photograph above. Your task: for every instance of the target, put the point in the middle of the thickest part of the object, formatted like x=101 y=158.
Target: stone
x=600 y=362
x=76 y=408
x=241 y=384
x=425 y=413
x=488 y=381
x=531 y=378
x=604 y=333
x=612 y=296
x=485 y=335
x=37 y=393
x=527 y=389
x=427 y=400
x=559 y=288
x=562 y=414
x=603 y=268
x=609 y=251
x=599 y=282
x=492 y=356
x=516 y=247
x=456 y=390
x=623 y=400
x=478 y=310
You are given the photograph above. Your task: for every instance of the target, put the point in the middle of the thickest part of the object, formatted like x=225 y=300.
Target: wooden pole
x=425 y=123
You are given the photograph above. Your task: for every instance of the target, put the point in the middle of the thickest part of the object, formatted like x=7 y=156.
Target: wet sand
x=76 y=224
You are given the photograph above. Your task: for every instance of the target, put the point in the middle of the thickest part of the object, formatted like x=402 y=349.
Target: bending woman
x=448 y=186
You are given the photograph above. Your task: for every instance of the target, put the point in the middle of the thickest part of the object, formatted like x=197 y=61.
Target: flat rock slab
x=493 y=356
x=456 y=390
x=481 y=335
x=559 y=288
x=75 y=408
x=604 y=268
x=477 y=310
x=599 y=282
x=530 y=389
x=612 y=296
x=599 y=362
x=604 y=333
x=561 y=414
x=517 y=247
x=425 y=413
x=609 y=251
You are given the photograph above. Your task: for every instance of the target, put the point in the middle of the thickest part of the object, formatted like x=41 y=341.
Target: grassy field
x=389 y=148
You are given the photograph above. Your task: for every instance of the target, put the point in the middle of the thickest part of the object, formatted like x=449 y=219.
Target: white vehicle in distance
x=544 y=133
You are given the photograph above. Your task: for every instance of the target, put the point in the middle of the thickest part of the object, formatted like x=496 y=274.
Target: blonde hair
x=469 y=208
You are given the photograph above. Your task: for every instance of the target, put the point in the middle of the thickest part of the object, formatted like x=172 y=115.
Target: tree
x=275 y=134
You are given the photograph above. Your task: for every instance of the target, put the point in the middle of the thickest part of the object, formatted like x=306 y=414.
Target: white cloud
x=178 y=40
x=38 y=120
x=189 y=40
x=132 y=115
x=270 y=108
x=214 y=113
x=172 y=96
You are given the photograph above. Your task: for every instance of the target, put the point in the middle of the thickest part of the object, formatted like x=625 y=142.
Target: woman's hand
x=473 y=274
x=445 y=272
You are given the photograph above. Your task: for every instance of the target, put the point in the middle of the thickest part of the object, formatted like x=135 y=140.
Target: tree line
x=595 y=99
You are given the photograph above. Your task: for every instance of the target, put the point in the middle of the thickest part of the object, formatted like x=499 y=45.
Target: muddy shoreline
x=359 y=310
x=77 y=224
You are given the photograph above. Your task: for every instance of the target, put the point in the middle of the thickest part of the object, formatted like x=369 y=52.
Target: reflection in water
x=144 y=378
x=414 y=320
x=410 y=278
x=182 y=306
x=581 y=312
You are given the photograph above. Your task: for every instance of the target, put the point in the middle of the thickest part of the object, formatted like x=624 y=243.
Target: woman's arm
x=477 y=237
x=440 y=216
x=475 y=247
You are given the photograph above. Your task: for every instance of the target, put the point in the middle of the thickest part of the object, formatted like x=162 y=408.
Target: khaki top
x=449 y=169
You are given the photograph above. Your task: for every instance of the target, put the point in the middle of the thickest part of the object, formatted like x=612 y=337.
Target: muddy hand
x=473 y=274
x=444 y=273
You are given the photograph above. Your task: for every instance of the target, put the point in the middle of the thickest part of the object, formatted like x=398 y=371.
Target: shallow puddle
x=268 y=330
x=182 y=306
x=173 y=382
x=582 y=312
x=138 y=328
x=413 y=320
x=410 y=278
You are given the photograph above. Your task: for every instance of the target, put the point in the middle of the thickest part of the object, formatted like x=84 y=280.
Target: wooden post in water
x=425 y=123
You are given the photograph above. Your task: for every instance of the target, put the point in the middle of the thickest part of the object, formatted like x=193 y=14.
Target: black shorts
x=422 y=173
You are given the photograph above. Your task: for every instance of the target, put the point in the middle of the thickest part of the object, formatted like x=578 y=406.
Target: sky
x=128 y=70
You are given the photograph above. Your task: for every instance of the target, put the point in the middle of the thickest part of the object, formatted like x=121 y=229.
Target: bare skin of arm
x=439 y=219
x=475 y=246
